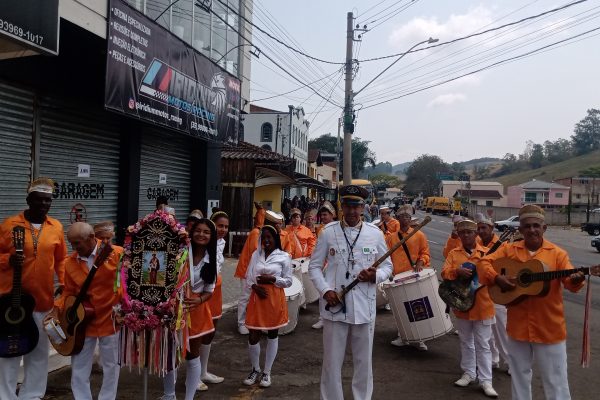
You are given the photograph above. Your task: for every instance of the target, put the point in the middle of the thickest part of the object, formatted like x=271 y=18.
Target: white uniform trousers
x=35 y=365
x=335 y=337
x=551 y=360
x=81 y=367
x=243 y=302
x=499 y=337
x=475 y=353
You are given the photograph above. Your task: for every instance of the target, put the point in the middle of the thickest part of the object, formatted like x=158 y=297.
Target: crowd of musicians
x=341 y=251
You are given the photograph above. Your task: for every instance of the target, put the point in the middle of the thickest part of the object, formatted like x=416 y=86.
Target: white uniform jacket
x=333 y=248
x=220 y=258
x=278 y=264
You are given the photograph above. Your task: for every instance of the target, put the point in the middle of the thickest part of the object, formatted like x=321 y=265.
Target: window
x=266 y=132
x=558 y=195
x=578 y=196
x=489 y=203
x=530 y=197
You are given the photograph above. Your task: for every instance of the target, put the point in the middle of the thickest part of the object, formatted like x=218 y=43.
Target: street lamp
x=429 y=41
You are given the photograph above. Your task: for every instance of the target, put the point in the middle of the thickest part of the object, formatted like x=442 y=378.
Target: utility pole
x=348 y=119
x=277 y=131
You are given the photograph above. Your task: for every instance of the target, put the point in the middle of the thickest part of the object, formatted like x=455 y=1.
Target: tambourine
x=54 y=331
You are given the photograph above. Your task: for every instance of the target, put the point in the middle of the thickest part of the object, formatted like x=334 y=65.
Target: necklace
x=35 y=237
x=350 y=260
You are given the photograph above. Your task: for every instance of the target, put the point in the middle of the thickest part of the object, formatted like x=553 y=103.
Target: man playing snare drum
x=414 y=254
x=349 y=247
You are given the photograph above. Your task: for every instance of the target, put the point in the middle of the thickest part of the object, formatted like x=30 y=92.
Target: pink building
x=544 y=194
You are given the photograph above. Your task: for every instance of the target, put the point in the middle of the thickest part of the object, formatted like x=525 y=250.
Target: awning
x=266 y=176
x=307 y=181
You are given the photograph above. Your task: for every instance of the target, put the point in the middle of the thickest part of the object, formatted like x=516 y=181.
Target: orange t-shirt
x=538 y=319
x=288 y=244
x=249 y=247
x=451 y=244
x=418 y=248
x=393 y=226
x=101 y=294
x=484 y=307
x=487 y=248
x=37 y=275
x=304 y=240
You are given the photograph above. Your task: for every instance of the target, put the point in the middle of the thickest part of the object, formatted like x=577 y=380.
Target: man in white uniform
x=349 y=247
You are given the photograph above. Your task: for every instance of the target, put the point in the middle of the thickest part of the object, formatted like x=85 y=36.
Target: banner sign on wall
x=153 y=75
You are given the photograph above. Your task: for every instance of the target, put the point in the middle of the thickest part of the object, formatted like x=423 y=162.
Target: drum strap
x=405 y=247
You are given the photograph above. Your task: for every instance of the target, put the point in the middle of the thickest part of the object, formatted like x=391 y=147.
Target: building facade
x=585 y=191
x=541 y=193
x=55 y=121
x=474 y=192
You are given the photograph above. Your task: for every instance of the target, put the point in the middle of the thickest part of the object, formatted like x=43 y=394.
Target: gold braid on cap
x=41 y=185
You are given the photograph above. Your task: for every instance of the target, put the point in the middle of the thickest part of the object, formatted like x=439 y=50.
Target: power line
x=480 y=33
x=271 y=59
x=493 y=65
x=295 y=90
x=277 y=40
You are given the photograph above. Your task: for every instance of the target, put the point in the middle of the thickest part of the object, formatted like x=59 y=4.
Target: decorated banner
x=153 y=75
x=152 y=275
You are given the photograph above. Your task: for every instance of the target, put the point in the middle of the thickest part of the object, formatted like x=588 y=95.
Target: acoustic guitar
x=532 y=279
x=67 y=330
x=18 y=332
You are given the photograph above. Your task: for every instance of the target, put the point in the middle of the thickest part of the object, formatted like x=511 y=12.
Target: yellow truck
x=440 y=205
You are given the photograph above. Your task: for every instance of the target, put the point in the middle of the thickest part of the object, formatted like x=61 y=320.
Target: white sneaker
x=488 y=389
x=318 y=324
x=387 y=307
x=243 y=330
x=211 y=378
x=464 y=380
x=421 y=346
x=265 y=380
x=202 y=387
x=398 y=342
x=252 y=378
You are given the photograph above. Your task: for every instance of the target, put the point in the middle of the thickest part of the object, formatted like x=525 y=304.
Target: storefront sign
x=32 y=22
x=153 y=75
x=154 y=193
x=76 y=190
x=162 y=179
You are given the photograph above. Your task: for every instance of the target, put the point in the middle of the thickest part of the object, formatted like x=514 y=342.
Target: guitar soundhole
x=524 y=278
x=72 y=316
x=15 y=315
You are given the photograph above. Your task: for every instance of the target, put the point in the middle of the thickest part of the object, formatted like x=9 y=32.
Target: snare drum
x=418 y=309
x=310 y=291
x=293 y=295
x=297 y=271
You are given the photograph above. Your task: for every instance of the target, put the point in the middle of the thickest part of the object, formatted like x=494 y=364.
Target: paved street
x=398 y=372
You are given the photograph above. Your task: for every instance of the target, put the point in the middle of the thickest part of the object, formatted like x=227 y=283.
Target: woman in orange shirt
x=474 y=325
x=270 y=271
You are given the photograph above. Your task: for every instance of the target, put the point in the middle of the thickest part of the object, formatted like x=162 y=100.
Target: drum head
x=294 y=290
x=409 y=277
x=302 y=263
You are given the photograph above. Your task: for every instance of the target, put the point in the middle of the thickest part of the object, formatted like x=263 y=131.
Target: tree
x=557 y=151
x=384 y=181
x=480 y=171
x=361 y=154
x=536 y=158
x=457 y=169
x=422 y=175
x=586 y=136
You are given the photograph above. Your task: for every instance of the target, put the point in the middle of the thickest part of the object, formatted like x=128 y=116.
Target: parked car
x=596 y=243
x=512 y=222
x=592 y=228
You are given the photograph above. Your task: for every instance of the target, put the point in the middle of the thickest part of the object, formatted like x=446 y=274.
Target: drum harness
x=405 y=247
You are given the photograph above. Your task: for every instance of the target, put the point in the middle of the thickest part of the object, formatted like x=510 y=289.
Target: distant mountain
x=480 y=161
x=400 y=168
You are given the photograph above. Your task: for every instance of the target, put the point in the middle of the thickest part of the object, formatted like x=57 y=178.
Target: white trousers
x=81 y=367
x=475 y=353
x=499 y=337
x=35 y=365
x=243 y=302
x=336 y=335
x=551 y=360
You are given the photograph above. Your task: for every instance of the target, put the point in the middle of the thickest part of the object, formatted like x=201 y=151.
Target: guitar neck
x=16 y=286
x=551 y=275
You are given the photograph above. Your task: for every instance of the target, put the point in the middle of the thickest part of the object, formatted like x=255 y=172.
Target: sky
x=487 y=114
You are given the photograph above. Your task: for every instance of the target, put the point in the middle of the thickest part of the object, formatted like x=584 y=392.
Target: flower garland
x=149 y=334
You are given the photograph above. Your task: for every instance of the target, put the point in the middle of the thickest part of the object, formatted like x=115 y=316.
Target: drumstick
x=376 y=264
